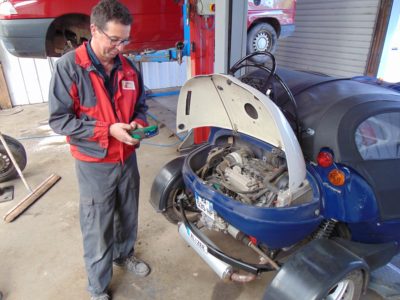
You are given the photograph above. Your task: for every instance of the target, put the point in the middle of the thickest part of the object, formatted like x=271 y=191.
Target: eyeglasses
x=116 y=42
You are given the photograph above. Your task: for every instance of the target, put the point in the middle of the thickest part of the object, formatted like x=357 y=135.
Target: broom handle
x=15 y=163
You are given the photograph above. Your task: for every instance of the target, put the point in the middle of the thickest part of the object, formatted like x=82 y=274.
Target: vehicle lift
x=210 y=45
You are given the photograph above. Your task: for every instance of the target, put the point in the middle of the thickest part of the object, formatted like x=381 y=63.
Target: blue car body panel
x=275 y=227
x=353 y=203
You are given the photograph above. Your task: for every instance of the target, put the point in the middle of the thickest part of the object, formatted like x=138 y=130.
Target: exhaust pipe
x=223 y=270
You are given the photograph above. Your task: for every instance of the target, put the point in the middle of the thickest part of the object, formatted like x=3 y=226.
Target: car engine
x=260 y=181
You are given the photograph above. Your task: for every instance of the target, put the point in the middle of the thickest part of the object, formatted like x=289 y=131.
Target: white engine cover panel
x=223 y=101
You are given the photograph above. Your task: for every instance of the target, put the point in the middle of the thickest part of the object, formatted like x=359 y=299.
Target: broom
x=33 y=194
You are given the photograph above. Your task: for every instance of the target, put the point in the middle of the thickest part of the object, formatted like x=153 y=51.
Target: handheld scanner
x=145 y=132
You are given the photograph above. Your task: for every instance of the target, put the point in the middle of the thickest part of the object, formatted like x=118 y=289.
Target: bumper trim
x=248 y=267
x=25 y=37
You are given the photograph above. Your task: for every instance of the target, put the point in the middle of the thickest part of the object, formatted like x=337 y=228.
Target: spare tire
x=7 y=168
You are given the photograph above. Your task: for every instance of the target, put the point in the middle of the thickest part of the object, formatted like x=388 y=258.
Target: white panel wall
x=28 y=79
x=164 y=75
x=331 y=37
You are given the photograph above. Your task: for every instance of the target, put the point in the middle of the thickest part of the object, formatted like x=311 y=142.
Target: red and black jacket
x=81 y=108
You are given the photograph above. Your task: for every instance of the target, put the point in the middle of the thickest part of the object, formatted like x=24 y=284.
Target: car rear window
x=378 y=137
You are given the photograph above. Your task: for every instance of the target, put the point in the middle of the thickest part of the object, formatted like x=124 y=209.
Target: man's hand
x=120 y=132
x=135 y=125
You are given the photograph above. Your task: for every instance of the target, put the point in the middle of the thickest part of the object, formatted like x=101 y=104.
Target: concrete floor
x=41 y=251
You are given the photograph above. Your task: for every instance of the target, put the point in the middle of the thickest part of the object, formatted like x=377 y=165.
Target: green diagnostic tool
x=144 y=133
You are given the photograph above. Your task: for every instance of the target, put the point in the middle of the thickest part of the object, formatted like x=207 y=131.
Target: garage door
x=332 y=37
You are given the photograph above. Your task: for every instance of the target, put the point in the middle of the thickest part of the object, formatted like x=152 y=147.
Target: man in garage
x=96 y=98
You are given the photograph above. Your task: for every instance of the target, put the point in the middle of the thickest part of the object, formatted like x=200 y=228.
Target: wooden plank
x=5 y=100
x=31 y=198
x=379 y=36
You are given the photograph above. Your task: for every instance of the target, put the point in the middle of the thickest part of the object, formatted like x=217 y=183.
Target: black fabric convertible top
x=330 y=110
x=331 y=107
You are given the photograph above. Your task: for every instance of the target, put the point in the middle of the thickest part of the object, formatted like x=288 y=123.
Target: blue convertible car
x=302 y=168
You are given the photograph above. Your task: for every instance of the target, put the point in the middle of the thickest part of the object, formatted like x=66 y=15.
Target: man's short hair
x=110 y=10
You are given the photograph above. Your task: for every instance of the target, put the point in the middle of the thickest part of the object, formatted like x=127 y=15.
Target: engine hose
x=259 y=194
x=325 y=229
x=243 y=278
x=241 y=236
x=227 y=185
x=278 y=173
x=270 y=261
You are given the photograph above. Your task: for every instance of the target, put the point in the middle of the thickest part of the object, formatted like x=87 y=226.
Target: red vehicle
x=267 y=21
x=41 y=28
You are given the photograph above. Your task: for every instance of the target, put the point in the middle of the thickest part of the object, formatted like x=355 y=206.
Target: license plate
x=197 y=241
x=205 y=206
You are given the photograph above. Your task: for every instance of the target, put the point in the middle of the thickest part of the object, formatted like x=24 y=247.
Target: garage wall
x=28 y=79
x=332 y=37
x=164 y=75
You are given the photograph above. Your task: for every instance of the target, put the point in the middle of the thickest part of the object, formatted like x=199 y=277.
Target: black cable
x=238 y=65
x=272 y=75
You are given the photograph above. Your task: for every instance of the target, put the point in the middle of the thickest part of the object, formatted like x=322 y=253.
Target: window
x=378 y=137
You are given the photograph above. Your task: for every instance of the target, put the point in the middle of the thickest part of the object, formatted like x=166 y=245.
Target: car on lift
x=50 y=28
x=302 y=168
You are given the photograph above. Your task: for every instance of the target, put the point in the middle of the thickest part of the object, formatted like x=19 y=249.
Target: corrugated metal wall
x=332 y=37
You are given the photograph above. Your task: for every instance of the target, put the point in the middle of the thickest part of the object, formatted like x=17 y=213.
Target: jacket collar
x=86 y=58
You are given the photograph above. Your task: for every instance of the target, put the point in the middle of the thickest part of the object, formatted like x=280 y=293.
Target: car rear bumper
x=26 y=37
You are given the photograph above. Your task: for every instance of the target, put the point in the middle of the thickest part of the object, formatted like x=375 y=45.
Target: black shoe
x=134 y=265
x=103 y=296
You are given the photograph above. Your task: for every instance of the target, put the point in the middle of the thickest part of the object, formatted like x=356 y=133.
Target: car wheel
x=349 y=288
x=176 y=193
x=262 y=37
x=7 y=168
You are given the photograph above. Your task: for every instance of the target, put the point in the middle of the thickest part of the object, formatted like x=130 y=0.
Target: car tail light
x=253 y=240
x=325 y=159
x=7 y=9
x=212 y=7
x=336 y=177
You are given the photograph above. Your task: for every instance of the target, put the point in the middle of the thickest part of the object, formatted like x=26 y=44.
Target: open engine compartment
x=249 y=174
x=241 y=181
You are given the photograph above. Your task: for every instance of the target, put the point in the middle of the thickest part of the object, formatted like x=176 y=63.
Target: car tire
x=173 y=211
x=7 y=168
x=348 y=288
x=261 y=37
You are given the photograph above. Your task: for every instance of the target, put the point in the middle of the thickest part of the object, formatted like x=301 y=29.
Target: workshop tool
x=33 y=194
x=144 y=133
